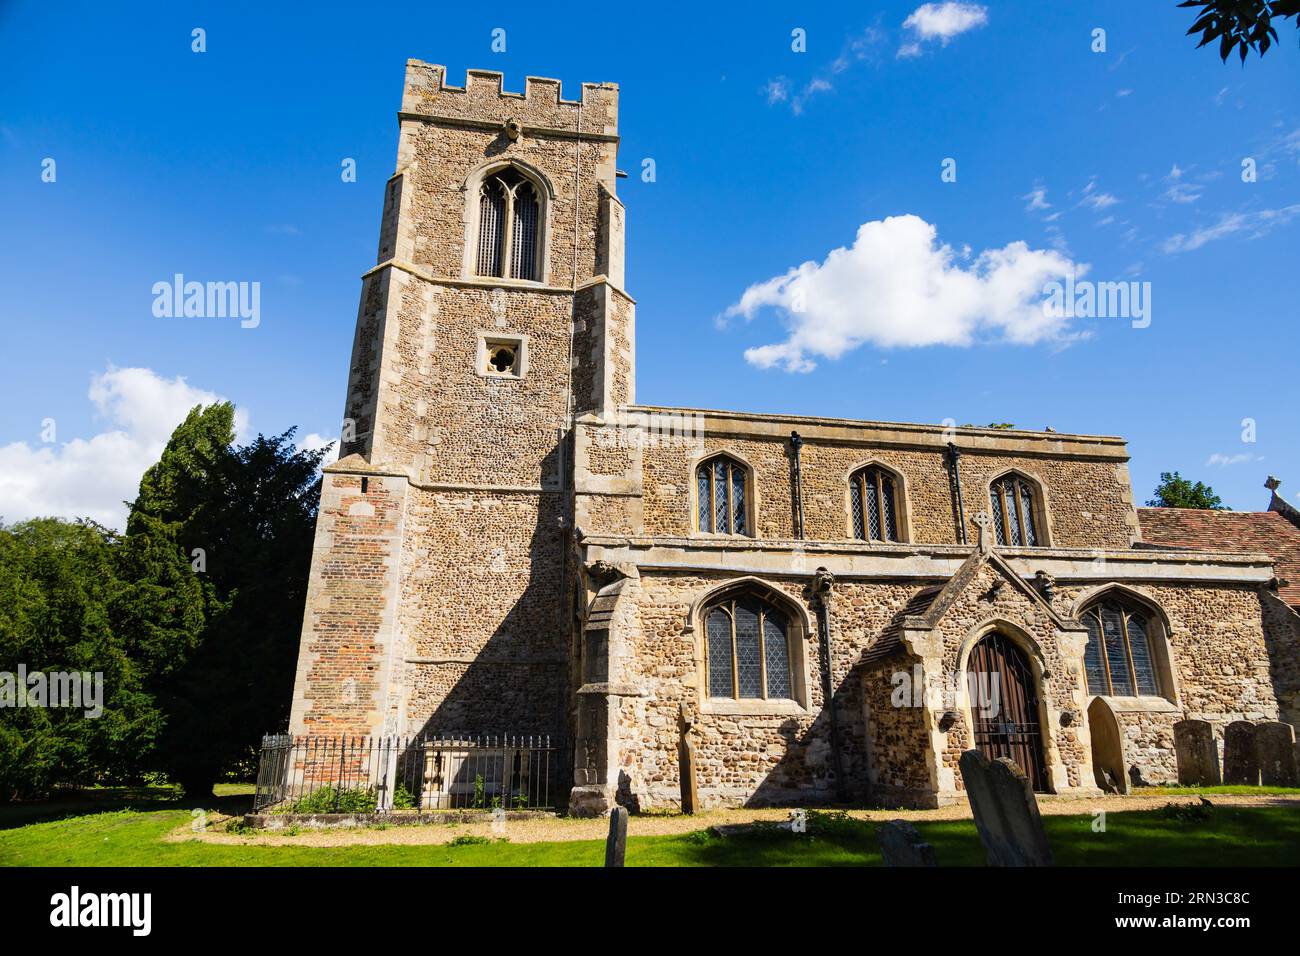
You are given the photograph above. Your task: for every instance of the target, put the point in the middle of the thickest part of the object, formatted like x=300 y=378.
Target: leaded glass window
x=873 y=505
x=720 y=487
x=747 y=645
x=509 y=213
x=1013 y=500
x=1119 y=660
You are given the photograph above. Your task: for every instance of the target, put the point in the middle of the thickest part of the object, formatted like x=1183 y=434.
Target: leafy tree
x=1243 y=25
x=192 y=616
x=1175 y=491
x=66 y=606
x=245 y=516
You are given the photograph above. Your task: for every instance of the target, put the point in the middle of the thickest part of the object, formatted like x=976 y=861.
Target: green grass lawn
x=1231 y=836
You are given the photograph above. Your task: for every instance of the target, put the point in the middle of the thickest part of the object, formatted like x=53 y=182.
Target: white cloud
x=1181 y=191
x=859 y=48
x=942 y=22
x=1037 y=199
x=777 y=90
x=1096 y=200
x=92 y=477
x=1257 y=224
x=1225 y=460
x=315 y=442
x=897 y=286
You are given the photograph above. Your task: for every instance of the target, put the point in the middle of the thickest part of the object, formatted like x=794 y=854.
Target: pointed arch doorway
x=1005 y=706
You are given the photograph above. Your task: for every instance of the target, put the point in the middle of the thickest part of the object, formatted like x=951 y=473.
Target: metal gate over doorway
x=1011 y=728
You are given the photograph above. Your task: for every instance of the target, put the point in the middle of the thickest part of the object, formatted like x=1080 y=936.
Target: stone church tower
x=440 y=596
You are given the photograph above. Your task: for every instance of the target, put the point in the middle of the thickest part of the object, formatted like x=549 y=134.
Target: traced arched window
x=874 y=503
x=723 y=506
x=1119 y=660
x=747 y=650
x=509 y=212
x=1014 y=501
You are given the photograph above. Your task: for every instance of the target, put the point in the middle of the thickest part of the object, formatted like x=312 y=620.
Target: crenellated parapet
x=539 y=109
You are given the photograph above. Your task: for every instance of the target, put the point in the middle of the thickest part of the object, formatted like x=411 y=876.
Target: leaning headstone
x=616 y=842
x=1196 y=753
x=1006 y=813
x=686 y=762
x=1277 y=760
x=901 y=845
x=1241 y=754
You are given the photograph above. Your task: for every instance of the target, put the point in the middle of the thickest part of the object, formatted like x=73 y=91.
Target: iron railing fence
x=422 y=772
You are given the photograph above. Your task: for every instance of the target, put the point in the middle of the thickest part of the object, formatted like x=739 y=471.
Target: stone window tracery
x=747 y=650
x=509 y=216
x=1015 y=506
x=722 y=496
x=873 y=499
x=1120 y=660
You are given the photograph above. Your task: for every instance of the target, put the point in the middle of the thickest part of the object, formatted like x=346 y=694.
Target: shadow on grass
x=231 y=799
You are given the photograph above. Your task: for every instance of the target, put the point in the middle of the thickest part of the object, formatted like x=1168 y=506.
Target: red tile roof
x=1264 y=532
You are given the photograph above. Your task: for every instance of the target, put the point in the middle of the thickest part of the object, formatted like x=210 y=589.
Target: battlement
x=483 y=99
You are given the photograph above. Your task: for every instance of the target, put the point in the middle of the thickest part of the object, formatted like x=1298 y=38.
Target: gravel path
x=549 y=829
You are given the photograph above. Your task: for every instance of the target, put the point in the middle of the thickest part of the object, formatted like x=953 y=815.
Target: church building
x=826 y=610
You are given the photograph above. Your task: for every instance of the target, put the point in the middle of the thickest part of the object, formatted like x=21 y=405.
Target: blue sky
x=224 y=165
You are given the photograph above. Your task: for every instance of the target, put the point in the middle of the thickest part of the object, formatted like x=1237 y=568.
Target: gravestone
x=1196 y=753
x=1241 y=754
x=686 y=762
x=1006 y=813
x=616 y=842
x=1277 y=760
x=901 y=845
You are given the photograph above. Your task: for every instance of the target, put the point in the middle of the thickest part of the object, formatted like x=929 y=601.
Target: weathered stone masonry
x=521 y=551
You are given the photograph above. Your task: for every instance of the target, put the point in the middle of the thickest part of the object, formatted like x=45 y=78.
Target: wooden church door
x=1004 y=706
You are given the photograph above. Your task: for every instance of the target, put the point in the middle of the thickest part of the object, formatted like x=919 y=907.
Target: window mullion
x=735 y=661
x=880 y=504
x=1128 y=652
x=507 y=233
x=713 y=501
x=731 y=498
x=762 y=653
x=1105 y=653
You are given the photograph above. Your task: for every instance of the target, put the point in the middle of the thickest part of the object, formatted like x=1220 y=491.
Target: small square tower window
x=502 y=356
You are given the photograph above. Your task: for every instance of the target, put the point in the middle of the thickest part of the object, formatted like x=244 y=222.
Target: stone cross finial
x=982 y=521
x=1272 y=483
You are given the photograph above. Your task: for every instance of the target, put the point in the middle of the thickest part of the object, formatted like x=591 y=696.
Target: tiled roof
x=1265 y=532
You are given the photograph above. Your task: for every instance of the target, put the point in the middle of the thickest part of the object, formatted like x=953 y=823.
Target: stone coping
x=907 y=434
x=924 y=562
x=737 y=543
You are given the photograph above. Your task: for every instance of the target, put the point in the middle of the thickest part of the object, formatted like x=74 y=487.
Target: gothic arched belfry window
x=508 y=217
